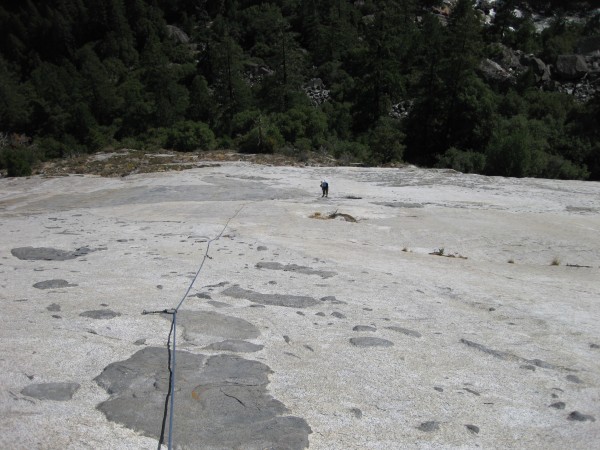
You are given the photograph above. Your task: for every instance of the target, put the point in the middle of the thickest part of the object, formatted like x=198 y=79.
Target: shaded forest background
x=191 y=75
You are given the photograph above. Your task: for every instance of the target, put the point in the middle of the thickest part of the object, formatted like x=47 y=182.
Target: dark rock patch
x=290 y=301
x=579 y=417
x=439 y=389
x=53 y=284
x=364 y=328
x=405 y=331
x=300 y=313
x=472 y=428
x=60 y=392
x=574 y=379
x=429 y=426
x=370 y=342
x=56 y=316
x=100 y=314
x=222 y=401
x=54 y=307
x=219 y=304
x=159 y=286
x=292 y=355
x=140 y=342
x=357 y=413
x=338 y=315
x=203 y=295
x=48 y=254
x=558 y=405
x=320 y=313
x=308 y=347
x=235 y=345
x=294 y=268
x=198 y=324
x=367 y=309
x=257 y=306
x=594 y=346
x=334 y=301
x=286 y=338
x=528 y=367
x=261 y=248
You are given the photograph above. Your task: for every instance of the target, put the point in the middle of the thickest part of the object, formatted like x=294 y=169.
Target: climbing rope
x=169 y=400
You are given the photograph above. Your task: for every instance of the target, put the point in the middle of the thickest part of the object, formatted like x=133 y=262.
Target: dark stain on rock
x=320 y=313
x=370 y=342
x=558 y=405
x=334 y=301
x=290 y=301
x=60 y=392
x=222 y=401
x=429 y=426
x=405 y=331
x=364 y=328
x=473 y=428
x=471 y=391
x=100 y=314
x=574 y=379
x=295 y=268
x=48 y=254
x=338 y=315
x=217 y=304
x=506 y=356
x=579 y=417
x=53 y=284
x=357 y=413
x=308 y=347
x=54 y=307
x=203 y=295
x=198 y=324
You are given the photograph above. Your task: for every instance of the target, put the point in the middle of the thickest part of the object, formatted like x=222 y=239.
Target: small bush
x=462 y=161
x=187 y=136
x=17 y=161
x=555 y=261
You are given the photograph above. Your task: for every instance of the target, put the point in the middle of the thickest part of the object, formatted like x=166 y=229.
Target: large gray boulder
x=570 y=67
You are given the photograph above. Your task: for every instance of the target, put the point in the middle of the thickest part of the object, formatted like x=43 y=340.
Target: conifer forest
x=476 y=86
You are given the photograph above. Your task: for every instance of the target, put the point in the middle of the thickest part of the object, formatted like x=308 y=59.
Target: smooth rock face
x=60 y=392
x=510 y=349
x=222 y=401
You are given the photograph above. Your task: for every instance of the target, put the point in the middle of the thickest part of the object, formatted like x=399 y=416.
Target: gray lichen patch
x=53 y=284
x=295 y=268
x=60 y=392
x=198 y=324
x=48 y=254
x=370 y=342
x=220 y=401
x=290 y=301
x=235 y=345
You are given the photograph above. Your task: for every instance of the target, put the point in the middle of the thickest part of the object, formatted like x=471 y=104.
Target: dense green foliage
x=80 y=76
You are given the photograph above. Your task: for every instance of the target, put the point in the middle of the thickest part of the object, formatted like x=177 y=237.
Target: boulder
x=495 y=73
x=570 y=67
